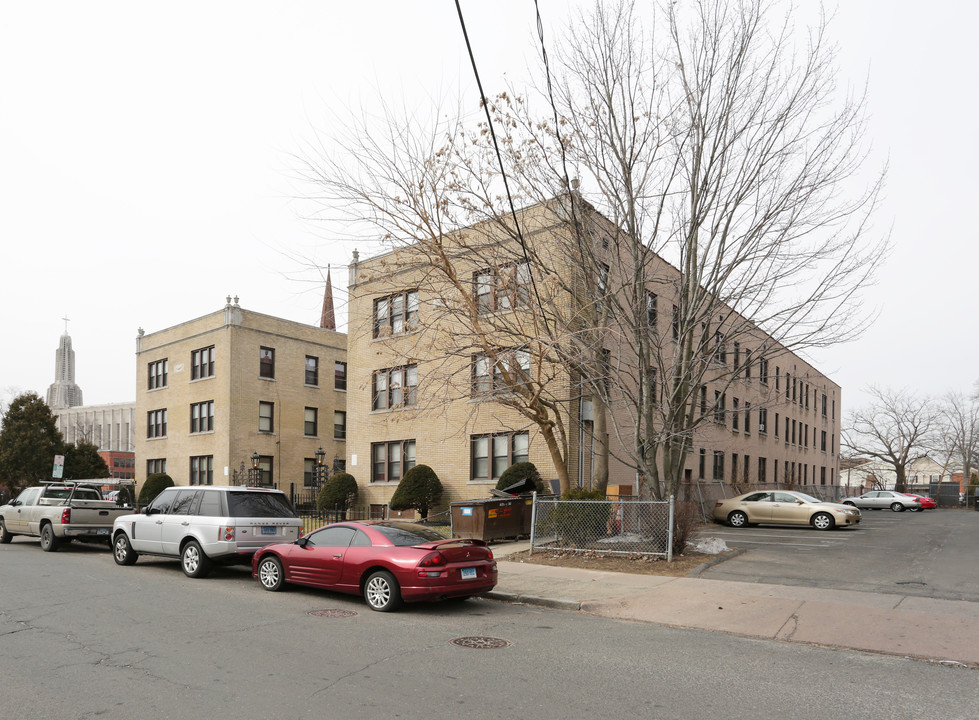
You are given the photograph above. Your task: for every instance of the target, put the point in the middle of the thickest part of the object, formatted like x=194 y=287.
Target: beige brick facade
x=401 y=320
x=193 y=448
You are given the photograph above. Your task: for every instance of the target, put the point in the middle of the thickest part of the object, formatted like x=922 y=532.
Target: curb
x=554 y=603
x=716 y=561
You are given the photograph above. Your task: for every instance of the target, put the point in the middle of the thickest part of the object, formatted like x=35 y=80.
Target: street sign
x=59 y=467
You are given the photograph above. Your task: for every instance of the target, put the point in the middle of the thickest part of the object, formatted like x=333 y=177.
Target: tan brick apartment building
x=420 y=392
x=214 y=391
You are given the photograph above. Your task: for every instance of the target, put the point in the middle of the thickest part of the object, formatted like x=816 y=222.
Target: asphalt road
x=83 y=638
x=934 y=553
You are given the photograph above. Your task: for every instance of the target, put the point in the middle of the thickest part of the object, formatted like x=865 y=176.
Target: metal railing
x=629 y=527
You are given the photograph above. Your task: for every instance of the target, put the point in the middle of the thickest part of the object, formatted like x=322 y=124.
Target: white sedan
x=880 y=499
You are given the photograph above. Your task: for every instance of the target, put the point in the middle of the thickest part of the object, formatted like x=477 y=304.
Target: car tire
x=897 y=507
x=193 y=561
x=5 y=537
x=917 y=509
x=381 y=591
x=270 y=573
x=823 y=521
x=737 y=519
x=850 y=504
x=122 y=550
x=49 y=542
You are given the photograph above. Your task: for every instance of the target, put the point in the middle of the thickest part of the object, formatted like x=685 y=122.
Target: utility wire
x=499 y=158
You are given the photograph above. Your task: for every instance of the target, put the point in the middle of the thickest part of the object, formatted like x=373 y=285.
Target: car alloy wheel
x=270 y=574
x=381 y=591
x=897 y=507
x=122 y=550
x=193 y=560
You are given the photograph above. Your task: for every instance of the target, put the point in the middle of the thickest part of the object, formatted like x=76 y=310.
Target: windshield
x=403 y=533
x=259 y=504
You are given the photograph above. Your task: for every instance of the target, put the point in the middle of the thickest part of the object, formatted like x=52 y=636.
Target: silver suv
x=204 y=525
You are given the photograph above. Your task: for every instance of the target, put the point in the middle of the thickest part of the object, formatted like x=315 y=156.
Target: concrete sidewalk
x=925 y=628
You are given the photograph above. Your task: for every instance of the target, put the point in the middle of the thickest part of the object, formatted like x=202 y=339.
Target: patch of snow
x=708 y=546
x=624 y=538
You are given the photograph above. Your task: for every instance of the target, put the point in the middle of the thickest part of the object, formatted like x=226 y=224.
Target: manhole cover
x=332 y=613
x=480 y=643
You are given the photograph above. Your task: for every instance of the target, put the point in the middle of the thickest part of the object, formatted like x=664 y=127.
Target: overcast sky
x=146 y=151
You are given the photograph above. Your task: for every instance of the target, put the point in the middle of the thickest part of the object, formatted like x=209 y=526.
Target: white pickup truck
x=61 y=512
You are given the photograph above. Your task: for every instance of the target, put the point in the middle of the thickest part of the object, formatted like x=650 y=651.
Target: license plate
x=102 y=531
x=468 y=573
x=269 y=529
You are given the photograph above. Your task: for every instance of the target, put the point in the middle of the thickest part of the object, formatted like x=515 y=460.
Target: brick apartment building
x=422 y=389
x=215 y=391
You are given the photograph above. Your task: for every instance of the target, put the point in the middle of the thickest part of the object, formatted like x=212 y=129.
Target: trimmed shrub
x=420 y=489
x=587 y=521
x=339 y=492
x=518 y=472
x=154 y=485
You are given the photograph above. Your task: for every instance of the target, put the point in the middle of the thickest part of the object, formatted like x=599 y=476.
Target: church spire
x=328 y=320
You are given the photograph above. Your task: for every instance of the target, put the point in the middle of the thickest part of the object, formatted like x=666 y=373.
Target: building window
x=720 y=349
x=202 y=470
x=651 y=313
x=747 y=419
x=675 y=323
x=763 y=421
x=156 y=465
x=156 y=423
x=309 y=475
x=202 y=363
x=822 y=440
x=737 y=359
x=396 y=314
x=718 y=466
x=762 y=470
x=390 y=459
x=747 y=364
x=735 y=411
x=503 y=289
x=265 y=470
x=202 y=416
x=312 y=370
x=490 y=455
x=703 y=463
x=490 y=377
x=266 y=363
x=339 y=425
x=394 y=388
x=310 y=422
x=719 y=402
x=339 y=375
x=823 y=405
x=266 y=417
x=157 y=376
x=763 y=371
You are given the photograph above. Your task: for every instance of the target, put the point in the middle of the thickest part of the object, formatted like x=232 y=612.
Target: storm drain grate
x=332 y=613
x=480 y=643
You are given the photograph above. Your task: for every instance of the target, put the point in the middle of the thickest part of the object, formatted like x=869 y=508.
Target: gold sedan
x=783 y=507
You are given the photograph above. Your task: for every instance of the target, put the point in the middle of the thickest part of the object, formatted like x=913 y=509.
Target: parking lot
x=934 y=553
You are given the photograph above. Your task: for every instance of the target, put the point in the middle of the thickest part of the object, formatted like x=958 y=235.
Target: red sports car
x=388 y=562
x=927 y=503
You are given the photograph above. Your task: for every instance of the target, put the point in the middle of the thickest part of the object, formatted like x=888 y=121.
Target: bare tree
x=957 y=432
x=714 y=145
x=895 y=428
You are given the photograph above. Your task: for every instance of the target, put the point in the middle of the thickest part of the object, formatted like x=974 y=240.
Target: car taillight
x=489 y=554
x=227 y=534
x=66 y=516
x=435 y=559
x=718 y=503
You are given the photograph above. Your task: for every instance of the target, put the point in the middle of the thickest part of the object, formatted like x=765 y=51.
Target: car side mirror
x=798 y=501
x=14 y=503
x=149 y=510
x=302 y=542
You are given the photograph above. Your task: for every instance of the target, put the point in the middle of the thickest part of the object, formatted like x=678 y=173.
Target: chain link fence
x=606 y=526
